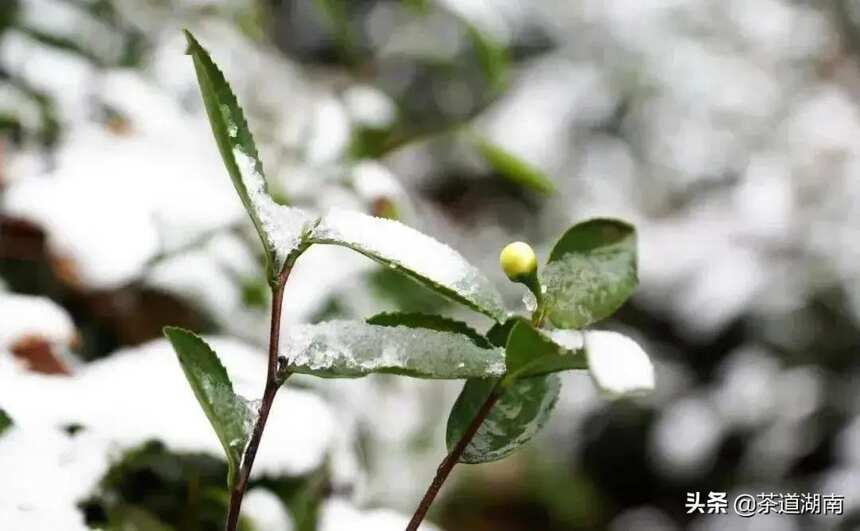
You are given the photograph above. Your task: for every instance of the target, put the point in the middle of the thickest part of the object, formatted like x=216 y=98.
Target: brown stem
x=452 y=459
x=273 y=382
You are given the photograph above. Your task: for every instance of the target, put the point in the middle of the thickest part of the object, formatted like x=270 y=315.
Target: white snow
x=26 y=316
x=337 y=514
x=283 y=225
x=317 y=276
x=266 y=511
x=114 y=202
x=487 y=16
x=62 y=75
x=569 y=339
x=210 y=277
x=685 y=437
x=618 y=364
x=372 y=181
x=369 y=106
x=197 y=277
x=46 y=473
x=329 y=132
x=93 y=238
x=748 y=383
x=140 y=394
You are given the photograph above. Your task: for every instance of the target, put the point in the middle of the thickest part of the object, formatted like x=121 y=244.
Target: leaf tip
x=168 y=331
x=175 y=334
x=191 y=41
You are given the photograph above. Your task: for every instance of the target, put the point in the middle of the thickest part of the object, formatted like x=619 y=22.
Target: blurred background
x=728 y=131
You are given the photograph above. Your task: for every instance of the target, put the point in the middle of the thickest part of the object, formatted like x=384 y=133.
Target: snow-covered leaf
x=515 y=418
x=280 y=227
x=530 y=352
x=618 y=364
x=347 y=349
x=590 y=273
x=417 y=255
x=230 y=415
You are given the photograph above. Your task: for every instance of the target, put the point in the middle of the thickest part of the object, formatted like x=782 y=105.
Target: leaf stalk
x=275 y=376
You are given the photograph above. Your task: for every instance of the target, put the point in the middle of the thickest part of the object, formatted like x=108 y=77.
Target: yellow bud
x=518 y=260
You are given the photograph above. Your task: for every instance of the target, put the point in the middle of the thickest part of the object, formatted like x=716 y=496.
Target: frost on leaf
x=516 y=417
x=618 y=364
x=353 y=349
x=590 y=273
x=428 y=261
x=232 y=417
x=280 y=227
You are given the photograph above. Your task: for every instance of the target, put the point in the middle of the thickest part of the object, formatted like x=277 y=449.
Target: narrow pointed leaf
x=229 y=414
x=280 y=227
x=533 y=353
x=492 y=56
x=516 y=417
x=417 y=255
x=349 y=349
x=590 y=273
x=513 y=168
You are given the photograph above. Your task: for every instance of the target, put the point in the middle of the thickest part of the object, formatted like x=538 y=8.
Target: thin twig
x=273 y=382
x=453 y=458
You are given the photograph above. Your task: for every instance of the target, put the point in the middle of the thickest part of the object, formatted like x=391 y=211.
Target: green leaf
x=432 y=322
x=414 y=254
x=280 y=227
x=590 y=273
x=349 y=349
x=499 y=332
x=230 y=416
x=516 y=417
x=492 y=56
x=514 y=168
x=5 y=421
x=532 y=352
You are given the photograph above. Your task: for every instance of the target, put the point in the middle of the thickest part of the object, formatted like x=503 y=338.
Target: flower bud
x=518 y=261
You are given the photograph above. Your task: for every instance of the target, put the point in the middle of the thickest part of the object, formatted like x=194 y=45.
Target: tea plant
x=511 y=385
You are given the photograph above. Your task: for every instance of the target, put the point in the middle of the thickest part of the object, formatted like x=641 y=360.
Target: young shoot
x=509 y=369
